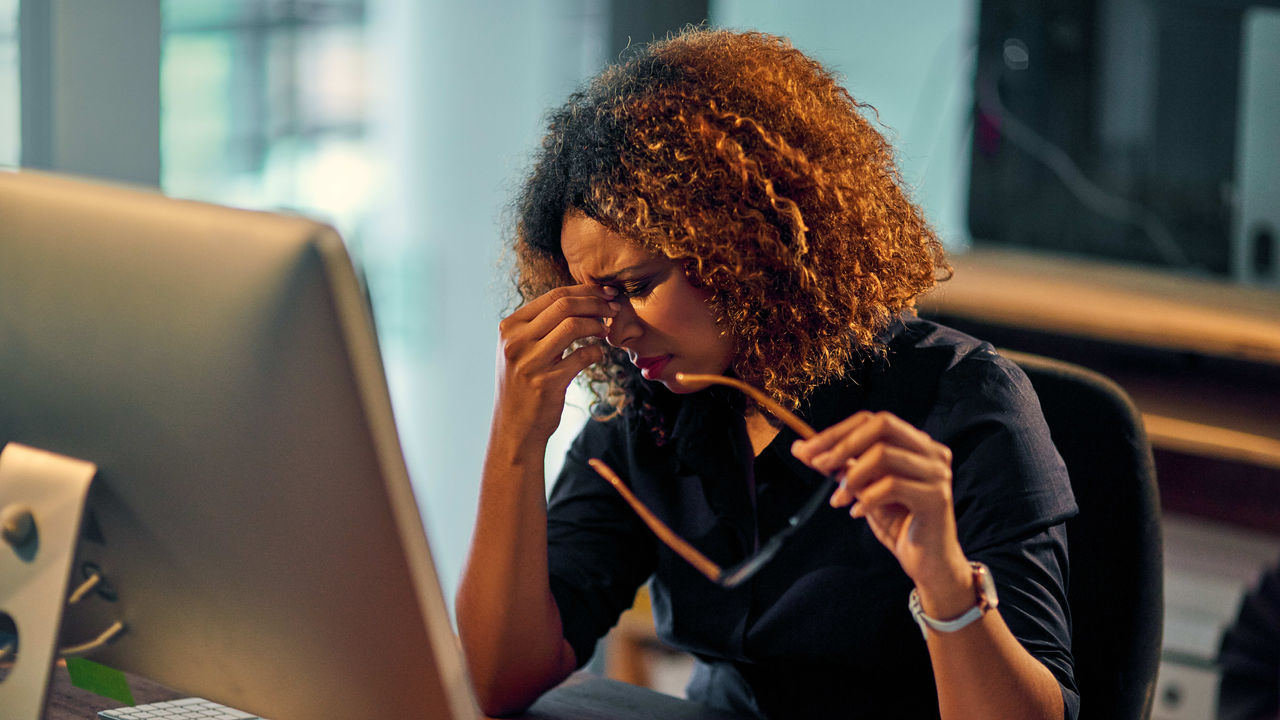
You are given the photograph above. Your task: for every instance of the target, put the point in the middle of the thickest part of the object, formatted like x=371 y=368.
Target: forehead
x=592 y=251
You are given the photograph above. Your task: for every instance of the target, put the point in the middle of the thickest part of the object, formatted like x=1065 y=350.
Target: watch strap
x=947 y=626
x=985 y=593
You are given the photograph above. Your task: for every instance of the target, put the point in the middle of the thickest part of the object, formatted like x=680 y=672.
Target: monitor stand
x=42 y=499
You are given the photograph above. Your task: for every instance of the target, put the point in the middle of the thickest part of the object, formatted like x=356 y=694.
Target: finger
x=886 y=522
x=880 y=428
x=539 y=304
x=882 y=460
x=550 y=349
x=565 y=307
x=806 y=450
x=892 y=491
x=563 y=323
x=535 y=307
x=568 y=367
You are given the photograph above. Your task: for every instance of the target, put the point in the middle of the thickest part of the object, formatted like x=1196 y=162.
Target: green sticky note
x=100 y=679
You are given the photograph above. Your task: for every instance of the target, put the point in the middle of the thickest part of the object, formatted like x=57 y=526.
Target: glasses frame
x=734 y=575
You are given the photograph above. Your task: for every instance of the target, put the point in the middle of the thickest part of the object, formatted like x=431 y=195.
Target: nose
x=624 y=327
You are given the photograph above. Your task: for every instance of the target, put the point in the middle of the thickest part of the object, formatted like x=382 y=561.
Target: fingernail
x=857 y=510
x=609 y=290
x=614 y=306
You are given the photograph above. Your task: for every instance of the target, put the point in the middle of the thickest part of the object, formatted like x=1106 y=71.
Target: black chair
x=1115 y=589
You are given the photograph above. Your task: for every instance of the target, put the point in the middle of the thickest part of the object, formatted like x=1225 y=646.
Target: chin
x=683 y=388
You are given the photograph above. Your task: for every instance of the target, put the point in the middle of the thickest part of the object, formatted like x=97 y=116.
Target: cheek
x=693 y=318
x=683 y=313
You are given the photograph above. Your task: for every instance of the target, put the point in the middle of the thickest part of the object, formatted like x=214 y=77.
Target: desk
x=582 y=697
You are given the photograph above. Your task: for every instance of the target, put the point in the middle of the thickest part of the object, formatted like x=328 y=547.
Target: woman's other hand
x=899 y=479
x=535 y=365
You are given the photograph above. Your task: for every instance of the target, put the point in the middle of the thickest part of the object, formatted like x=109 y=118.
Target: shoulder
x=918 y=345
x=931 y=373
x=968 y=372
x=1008 y=476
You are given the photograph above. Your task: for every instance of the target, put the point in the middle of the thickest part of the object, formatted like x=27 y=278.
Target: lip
x=651 y=367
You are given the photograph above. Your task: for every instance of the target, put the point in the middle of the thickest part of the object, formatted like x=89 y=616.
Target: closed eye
x=633 y=289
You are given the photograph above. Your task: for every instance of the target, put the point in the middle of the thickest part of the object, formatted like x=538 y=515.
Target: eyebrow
x=624 y=273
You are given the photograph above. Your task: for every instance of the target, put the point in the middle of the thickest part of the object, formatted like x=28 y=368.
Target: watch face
x=986 y=586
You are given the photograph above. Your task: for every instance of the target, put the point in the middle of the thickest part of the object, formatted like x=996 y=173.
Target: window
x=10 y=129
x=263 y=105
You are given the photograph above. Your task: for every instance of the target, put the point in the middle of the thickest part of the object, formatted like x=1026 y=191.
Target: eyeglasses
x=732 y=576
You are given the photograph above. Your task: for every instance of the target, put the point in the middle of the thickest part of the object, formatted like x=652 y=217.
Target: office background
x=408 y=124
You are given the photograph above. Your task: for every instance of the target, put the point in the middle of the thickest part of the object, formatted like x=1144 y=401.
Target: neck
x=759 y=431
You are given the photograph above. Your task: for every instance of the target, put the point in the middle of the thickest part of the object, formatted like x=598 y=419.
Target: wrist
x=948 y=592
x=517 y=438
x=982 y=596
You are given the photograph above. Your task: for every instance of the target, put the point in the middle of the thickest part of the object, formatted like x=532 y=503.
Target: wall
x=913 y=61
x=463 y=89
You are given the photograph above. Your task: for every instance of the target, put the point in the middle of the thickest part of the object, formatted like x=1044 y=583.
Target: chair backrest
x=1115 y=588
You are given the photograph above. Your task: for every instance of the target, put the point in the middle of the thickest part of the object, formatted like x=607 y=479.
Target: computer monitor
x=1139 y=131
x=251 y=514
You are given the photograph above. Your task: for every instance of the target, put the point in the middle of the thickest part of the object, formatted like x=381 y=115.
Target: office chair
x=1115 y=590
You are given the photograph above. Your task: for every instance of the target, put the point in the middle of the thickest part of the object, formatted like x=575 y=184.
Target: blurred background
x=1119 y=151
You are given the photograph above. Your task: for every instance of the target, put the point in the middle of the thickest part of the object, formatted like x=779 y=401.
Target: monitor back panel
x=252 y=513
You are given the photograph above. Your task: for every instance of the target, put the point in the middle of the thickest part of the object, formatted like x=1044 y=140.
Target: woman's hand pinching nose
x=609 y=292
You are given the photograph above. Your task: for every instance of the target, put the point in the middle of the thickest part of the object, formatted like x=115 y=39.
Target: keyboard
x=192 y=708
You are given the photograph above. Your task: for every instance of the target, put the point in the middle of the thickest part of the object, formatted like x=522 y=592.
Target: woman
x=718 y=205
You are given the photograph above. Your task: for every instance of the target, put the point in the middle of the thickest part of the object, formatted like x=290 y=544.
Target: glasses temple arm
x=701 y=562
x=802 y=429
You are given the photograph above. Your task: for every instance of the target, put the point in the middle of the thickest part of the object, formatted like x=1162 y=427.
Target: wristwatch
x=983 y=587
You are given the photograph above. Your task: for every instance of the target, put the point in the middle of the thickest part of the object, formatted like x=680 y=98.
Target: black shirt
x=823 y=630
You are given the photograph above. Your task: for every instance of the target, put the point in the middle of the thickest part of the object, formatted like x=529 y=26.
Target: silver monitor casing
x=252 y=513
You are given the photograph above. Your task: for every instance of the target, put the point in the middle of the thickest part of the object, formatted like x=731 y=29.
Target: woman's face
x=665 y=323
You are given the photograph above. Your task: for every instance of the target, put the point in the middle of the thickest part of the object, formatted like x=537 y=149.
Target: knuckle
x=944 y=493
x=509 y=352
x=521 y=373
x=944 y=472
x=562 y=305
x=940 y=470
x=541 y=382
x=580 y=326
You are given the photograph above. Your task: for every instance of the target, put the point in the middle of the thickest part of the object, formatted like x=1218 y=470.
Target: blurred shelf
x=1199 y=356
x=1074 y=296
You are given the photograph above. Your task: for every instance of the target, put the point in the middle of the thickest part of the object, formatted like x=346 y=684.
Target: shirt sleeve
x=1030 y=581
x=599 y=552
x=1012 y=497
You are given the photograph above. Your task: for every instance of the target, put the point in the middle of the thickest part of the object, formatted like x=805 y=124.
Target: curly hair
x=747 y=162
